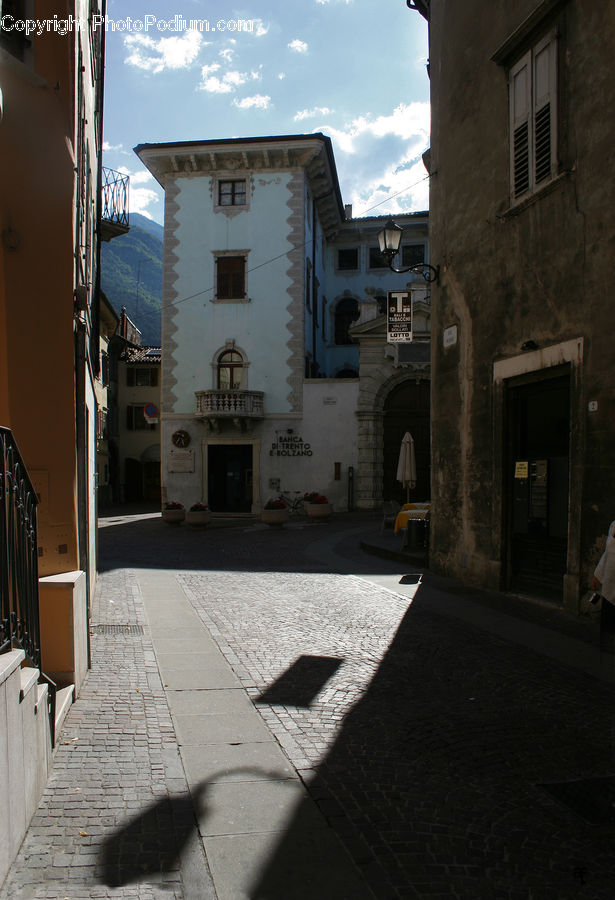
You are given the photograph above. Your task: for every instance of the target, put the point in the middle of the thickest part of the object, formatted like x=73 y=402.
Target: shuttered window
x=533 y=118
x=230 y=282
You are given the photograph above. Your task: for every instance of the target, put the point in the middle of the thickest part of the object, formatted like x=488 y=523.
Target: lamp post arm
x=431 y=274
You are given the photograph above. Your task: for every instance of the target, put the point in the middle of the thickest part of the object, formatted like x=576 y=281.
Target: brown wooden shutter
x=231 y=277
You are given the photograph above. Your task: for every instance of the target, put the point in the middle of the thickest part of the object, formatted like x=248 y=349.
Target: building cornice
x=313 y=153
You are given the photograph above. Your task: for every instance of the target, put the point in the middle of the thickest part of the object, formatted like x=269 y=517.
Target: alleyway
x=275 y=714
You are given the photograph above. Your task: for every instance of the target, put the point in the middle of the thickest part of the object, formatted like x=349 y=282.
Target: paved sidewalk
x=301 y=720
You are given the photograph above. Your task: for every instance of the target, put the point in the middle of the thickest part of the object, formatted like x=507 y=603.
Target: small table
x=411 y=511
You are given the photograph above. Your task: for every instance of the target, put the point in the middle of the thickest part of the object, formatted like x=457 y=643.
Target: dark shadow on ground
x=231 y=545
x=150 y=845
x=434 y=781
x=302 y=682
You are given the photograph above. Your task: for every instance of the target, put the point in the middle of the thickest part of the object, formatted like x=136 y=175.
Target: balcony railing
x=114 y=204
x=230 y=404
x=19 y=610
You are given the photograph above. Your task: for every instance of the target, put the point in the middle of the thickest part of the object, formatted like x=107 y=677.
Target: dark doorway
x=229 y=487
x=537 y=485
x=407 y=409
x=133 y=483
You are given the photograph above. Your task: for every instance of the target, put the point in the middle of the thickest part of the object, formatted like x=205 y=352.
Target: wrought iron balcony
x=19 y=617
x=19 y=600
x=237 y=406
x=114 y=217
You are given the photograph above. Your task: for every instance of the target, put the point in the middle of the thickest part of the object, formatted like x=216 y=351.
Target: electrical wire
x=292 y=249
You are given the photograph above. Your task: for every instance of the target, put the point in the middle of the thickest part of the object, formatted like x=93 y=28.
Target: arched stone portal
x=406 y=408
x=400 y=404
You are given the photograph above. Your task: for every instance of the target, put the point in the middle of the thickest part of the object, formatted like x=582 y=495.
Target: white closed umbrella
x=406 y=467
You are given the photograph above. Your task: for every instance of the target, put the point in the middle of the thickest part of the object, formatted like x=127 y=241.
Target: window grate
x=117 y=629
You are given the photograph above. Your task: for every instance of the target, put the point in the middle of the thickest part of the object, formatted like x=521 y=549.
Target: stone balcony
x=239 y=407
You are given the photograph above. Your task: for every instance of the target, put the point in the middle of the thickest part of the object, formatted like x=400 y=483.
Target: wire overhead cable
x=273 y=259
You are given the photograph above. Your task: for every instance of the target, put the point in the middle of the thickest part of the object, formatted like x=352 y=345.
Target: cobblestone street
x=424 y=742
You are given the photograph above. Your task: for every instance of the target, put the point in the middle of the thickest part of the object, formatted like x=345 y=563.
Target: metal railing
x=19 y=606
x=115 y=197
x=230 y=403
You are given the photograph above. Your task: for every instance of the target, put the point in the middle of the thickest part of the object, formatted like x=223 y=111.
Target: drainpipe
x=314 y=288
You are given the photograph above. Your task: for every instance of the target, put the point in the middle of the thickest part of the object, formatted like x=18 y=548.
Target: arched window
x=346 y=312
x=230 y=371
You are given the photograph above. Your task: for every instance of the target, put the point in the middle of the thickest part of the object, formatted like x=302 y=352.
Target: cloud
x=107 y=147
x=216 y=82
x=396 y=142
x=258 y=101
x=166 y=53
x=140 y=199
x=229 y=82
x=312 y=113
x=140 y=196
x=298 y=46
x=261 y=28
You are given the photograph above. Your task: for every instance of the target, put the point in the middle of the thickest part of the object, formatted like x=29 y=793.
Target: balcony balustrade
x=114 y=217
x=238 y=406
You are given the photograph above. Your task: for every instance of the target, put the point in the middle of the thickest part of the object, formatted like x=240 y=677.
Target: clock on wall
x=181 y=438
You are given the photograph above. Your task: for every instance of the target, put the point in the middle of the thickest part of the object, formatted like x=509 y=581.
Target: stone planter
x=173 y=516
x=199 y=518
x=318 y=510
x=274 y=517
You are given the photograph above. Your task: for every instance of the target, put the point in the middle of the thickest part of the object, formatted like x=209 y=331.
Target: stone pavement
x=300 y=720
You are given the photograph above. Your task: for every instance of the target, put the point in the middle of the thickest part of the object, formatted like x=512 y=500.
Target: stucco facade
x=523 y=364
x=264 y=273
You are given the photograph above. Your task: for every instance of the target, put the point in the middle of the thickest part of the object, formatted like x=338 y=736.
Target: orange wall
x=36 y=294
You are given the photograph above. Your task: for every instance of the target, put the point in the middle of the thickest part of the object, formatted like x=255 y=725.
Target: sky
x=204 y=70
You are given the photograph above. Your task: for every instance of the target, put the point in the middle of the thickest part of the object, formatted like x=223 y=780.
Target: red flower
x=173 y=504
x=315 y=498
x=275 y=504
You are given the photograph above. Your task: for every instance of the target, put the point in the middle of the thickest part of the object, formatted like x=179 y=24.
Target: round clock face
x=181 y=438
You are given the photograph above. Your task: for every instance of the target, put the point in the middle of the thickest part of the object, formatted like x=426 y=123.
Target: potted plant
x=173 y=513
x=317 y=506
x=274 y=513
x=198 y=515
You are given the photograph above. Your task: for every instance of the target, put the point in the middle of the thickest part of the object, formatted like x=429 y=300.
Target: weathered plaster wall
x=541 y=271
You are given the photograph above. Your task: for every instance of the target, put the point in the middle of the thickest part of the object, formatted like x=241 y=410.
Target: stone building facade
x=522 y=225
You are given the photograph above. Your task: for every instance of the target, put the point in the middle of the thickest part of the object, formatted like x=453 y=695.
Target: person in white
x=604 y=583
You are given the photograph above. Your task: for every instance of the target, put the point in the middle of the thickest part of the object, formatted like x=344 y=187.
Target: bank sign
x=399 y=317
x=290 y=445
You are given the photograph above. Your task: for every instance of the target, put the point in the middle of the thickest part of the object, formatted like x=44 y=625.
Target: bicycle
x=294 y=504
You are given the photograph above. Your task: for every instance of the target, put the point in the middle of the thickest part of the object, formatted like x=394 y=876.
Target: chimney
x=348 y=210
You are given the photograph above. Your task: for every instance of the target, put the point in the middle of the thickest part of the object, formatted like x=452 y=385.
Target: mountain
x=131 y=275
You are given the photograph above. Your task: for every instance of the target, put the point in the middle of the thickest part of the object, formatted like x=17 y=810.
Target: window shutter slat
x=521 y=160
x=520 y=107
x=542 y=143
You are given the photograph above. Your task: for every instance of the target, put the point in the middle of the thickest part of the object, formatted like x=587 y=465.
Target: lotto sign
x=399 y=317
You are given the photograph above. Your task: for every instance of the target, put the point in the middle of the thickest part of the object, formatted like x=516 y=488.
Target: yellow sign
x=522 y=469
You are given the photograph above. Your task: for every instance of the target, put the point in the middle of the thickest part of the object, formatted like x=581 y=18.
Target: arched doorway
x=406 y=408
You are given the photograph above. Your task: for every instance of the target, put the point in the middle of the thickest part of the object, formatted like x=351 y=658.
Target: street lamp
x=389 y=240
